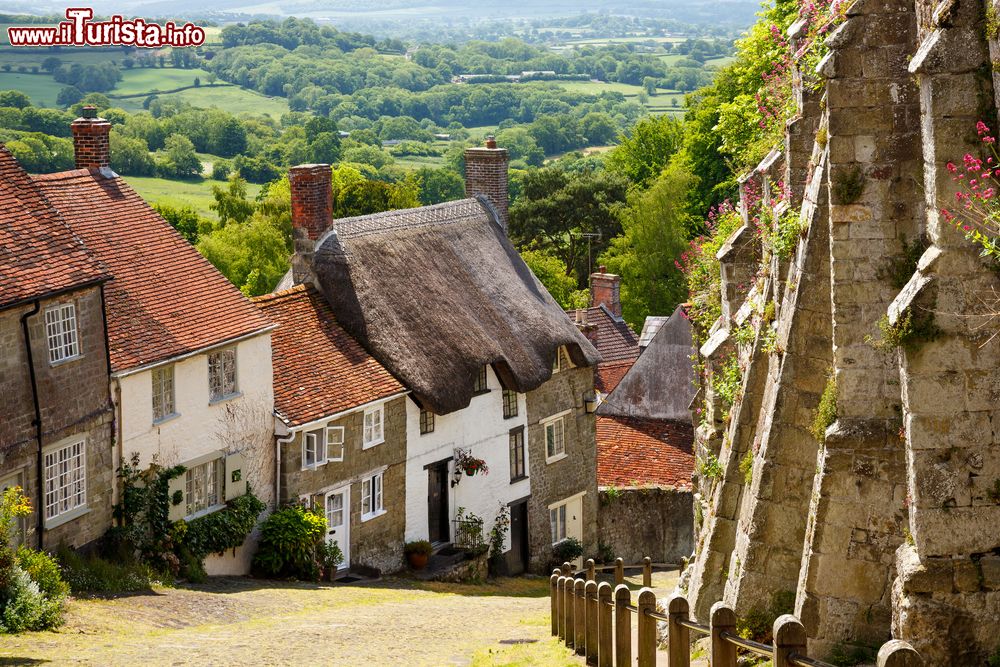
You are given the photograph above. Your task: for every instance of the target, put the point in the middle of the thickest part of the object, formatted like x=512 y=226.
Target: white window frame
x=315 y=442
x=557 y=522
x=557 y=362
x=219 y=461
x=373 y=433
x=165 y=389
x=225 y=392
x=372 y=495
x=335 y=444
x=62 y=335
x=555 y=421
x=65 y=481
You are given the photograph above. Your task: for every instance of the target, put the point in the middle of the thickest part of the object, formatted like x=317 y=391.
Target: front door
x=437 y=502
x=518 y=537
x=338 y=520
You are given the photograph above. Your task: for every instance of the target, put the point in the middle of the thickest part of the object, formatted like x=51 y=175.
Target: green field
x=137 y=81
x=40 y=88
x=418 y=161
x=197 y=194
x=604 y=41
x=721 y=62
x=229 y=98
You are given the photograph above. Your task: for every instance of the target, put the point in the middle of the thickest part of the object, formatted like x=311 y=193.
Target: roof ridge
x=64 y=175
x=274 y=296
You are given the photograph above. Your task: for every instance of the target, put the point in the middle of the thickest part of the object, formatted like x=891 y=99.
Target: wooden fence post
x=590 y=590
x=567 y=568
x=723 y=620
x=678 y=636
x=789 y=637
x=619 y=572
x=647 y=628
x=623 y=626
x=561 y=606
x=591 y=570
x=897 y=653
x=605 y=652
x=554 y=602
x=569 y=603
x=580 y=614
x=647 y=572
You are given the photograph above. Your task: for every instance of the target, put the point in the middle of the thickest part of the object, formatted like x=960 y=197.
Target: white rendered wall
x=481 y=428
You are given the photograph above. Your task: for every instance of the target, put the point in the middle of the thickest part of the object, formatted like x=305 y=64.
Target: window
x=481 y=385
x=557 y=520
x=557 y=362
x=517 y=469
x=334 y=511
x=426 y=422
x=65 y=479
x=509 y=403
x=222 y=374
x=374 y=427
x=555 y=443
x=60 y=331
x=322 y=445
x=163 y=392
x=204 y=486
x=371 y=497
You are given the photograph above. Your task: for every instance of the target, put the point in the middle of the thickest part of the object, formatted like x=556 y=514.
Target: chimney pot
x=491 y=141
x=91 y=140
x=605 y=288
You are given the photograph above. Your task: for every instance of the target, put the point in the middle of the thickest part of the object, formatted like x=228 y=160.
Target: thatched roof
x=434 y=293
x=660 y=384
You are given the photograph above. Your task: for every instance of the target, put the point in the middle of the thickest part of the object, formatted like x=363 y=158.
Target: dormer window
x=558 y=363
x=481 y=385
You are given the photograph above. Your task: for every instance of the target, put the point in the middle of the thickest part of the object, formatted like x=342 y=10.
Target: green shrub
x=908 y=332
x=26 y=607
x=746 y=467
x=418 y=547
x=567 y=550
x=605 y=553
x=92 y=574
x=44 y=571
x=758 y=623
x=289 y=541
x=224 y=529
x=709 y=467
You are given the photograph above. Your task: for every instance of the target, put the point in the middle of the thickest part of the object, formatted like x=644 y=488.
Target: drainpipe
x=279 y=441
x=37 y=422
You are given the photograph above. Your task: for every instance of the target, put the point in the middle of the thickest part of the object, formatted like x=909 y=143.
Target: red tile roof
x=319 y=370
x=608 y=375
x=610 y=335
x=39 y=255
x=165 y=299
x=635 y=452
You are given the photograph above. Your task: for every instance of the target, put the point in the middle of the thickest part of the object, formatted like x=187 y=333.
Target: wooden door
x=338 y=520
x=518 y=561
x=437 y=503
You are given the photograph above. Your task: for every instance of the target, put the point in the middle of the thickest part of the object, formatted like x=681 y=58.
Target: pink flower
x=966 y=228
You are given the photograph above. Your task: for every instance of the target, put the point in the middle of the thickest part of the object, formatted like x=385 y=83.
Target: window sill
x=314 y=466
x=369 y=517
x=513 y=416
x=75 y=357
x=66 y=517
x=518 y=479
x=373 y=443
x=166 y=418
x=223 y=399
x=481 y=392
x=557 y=457
x=204 y=512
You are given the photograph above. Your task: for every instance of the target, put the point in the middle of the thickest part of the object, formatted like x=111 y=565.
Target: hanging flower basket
x=469 y=464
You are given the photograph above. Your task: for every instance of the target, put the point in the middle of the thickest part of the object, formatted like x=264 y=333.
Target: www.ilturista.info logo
x=79 y=30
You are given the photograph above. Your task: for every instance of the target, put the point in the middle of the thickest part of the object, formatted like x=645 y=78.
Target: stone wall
x=642 y=522
x=886 y=526
x=574 y=474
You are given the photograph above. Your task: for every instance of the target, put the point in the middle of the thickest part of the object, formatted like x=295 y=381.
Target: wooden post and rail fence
x=595 y=619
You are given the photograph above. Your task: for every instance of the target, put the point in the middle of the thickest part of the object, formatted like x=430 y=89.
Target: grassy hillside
x=194 y=193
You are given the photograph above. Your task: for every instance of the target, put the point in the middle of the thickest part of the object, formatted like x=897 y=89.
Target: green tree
x=231 y=203
x=186 y=221
x=14 y=98
x=655 y=233
x=439 y=185
x=551 y=272
x=253 y=255
x=130 y=155
x=68 y=96
x=646 y=150
x=180 y=159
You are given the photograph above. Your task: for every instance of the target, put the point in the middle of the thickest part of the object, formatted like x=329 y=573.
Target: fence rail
x=595 y=620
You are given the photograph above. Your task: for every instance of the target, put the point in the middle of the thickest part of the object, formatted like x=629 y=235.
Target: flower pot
x=470 y=472
x=418 y=561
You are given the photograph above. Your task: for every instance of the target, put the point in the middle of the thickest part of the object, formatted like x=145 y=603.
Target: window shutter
x=236 y=483
x=175 y=492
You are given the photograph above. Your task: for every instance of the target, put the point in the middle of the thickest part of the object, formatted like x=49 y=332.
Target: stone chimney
x=91 y=144
x=606 y=288
x=486 y=174
x=312 y=214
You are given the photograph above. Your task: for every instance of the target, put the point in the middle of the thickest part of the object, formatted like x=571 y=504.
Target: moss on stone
x=826 y=411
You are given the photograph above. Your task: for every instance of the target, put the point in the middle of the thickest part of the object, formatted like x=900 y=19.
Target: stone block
x=990 y=565
x=966 y=576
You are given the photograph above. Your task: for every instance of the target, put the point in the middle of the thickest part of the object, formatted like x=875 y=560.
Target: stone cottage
x=56 y=438
x=439 y=297
x=341 y=428
x=190 y=356
x=645 y=459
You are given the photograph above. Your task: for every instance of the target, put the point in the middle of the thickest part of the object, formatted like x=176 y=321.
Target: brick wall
x=75 y=402
x=642 y=522
x=486 y=174
x=552 y=482
x=606 y=288
x=378 y=542
x=312 y=213
x=91 y=144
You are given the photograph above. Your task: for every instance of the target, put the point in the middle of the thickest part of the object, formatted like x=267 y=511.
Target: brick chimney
x=606 y=288
x=91 y=140
x=486 y=174
x=312 y=214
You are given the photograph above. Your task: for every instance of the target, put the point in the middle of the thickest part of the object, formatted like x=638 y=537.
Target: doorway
x=437 y=503
x=338 y=521
x=517 y=562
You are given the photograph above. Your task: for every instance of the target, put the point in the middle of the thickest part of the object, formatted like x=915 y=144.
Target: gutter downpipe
x=37 y=422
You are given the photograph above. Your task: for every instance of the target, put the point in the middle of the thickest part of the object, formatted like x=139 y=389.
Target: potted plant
x=418 y=553
x=469 y=464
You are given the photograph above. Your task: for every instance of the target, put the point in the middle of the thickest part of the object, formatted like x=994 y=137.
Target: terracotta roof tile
x=611 y=336
x=610 y=374
x=165 y=299
x=635 y=452
x=319 y=370
x=39 y=254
